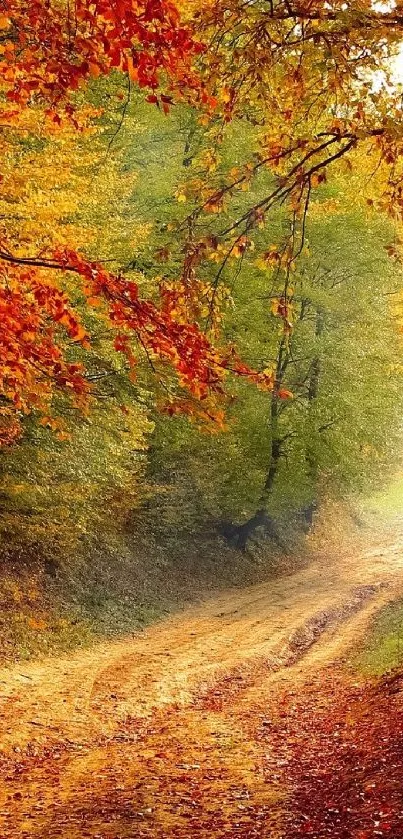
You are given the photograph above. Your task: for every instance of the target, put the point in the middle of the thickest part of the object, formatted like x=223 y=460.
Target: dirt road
x=156 y=735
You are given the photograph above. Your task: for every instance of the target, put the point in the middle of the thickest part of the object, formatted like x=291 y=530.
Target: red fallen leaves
x=340 y=750
x=336 y=748
x=169 y=777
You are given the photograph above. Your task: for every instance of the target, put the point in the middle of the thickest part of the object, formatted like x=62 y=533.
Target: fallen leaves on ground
x=322 y=759
x=338 y=747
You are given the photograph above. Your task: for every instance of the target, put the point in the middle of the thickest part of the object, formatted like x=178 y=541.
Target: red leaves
x=345 y=771
x=50 y=51
x=34 y=352
x=33 y=366
x=47 y=51
x=163 y=335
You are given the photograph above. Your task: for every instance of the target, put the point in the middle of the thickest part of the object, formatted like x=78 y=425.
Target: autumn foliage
x=48 y=51
x=302 y=73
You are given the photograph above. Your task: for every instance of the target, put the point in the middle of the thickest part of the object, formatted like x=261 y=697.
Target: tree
x=302 y=77
x=48 y=50
x=319 y=81
x=336 y=428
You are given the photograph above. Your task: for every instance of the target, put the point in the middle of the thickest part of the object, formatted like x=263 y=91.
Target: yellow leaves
x=49 y=422
x=217 y=253
x=225 y=95
x=317 y=178
x=5 y=22
x=282 y=307
x=269 y=259
x=338 y=126
x=322 y=209
x=347 y=165
x=275 y=306
x=207 y=160
x=181 y=196
x=63 y=194
x=242 y=245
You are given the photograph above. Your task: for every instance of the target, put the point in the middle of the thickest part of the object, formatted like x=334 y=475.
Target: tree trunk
x=313 y=388
x=239 y=535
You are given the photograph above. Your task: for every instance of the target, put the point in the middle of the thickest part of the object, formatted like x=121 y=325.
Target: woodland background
x=145 y=490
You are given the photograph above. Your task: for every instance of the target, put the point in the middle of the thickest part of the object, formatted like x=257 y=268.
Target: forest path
x=153 y=735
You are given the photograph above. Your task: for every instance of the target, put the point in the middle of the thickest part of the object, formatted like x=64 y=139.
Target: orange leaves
x=131 y=69
x=317 y=178
x=283 y=393
x=37 y=623
x=241 y=245
x=10 y=429
x=55 y=303
x=33 y=366
x=48 y=51
x=208 y=160
x=168 y=333
x=214 y=205
x=94 y=69
x=49 y=54
x=157 y=330
x=282 y=307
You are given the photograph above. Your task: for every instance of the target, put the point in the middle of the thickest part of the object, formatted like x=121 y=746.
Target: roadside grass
x=387 y=502
x=382 y=649
x=119 y=586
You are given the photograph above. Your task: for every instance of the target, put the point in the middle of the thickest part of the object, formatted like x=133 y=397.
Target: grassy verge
x=388 y=502
x=382 y=649
x=120 y=584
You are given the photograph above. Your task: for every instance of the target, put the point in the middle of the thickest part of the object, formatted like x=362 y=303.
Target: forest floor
x=239 y=717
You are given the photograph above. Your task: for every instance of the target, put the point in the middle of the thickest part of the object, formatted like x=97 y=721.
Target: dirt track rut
x=130 y=715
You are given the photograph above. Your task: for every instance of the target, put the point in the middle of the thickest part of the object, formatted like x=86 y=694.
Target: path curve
x=104 y=710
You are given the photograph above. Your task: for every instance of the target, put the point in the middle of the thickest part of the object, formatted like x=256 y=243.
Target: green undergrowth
x=382 y=649
x=387 y=502
x=120 y=584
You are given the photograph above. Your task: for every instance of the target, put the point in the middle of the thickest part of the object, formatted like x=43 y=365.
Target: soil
x=188 y=729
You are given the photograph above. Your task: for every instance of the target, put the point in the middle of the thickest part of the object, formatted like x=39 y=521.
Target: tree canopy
x=315 y=81
x=185 y=194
